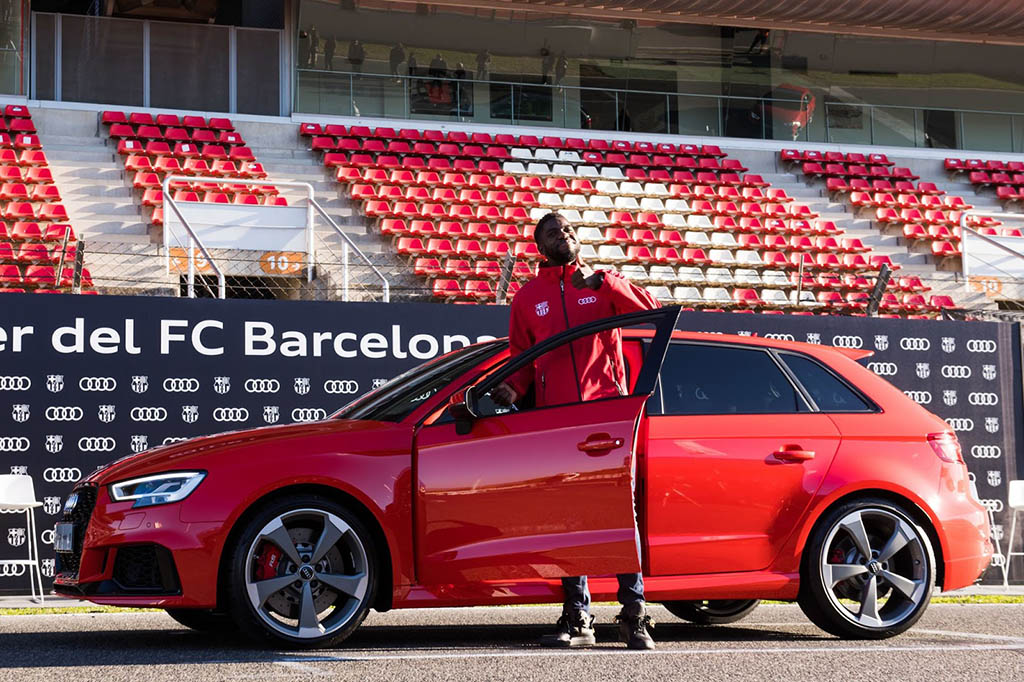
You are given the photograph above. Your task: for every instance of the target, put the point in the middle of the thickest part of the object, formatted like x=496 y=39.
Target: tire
x=852 y=595
x=712 y=611
x=302 y=573
x=202 y=620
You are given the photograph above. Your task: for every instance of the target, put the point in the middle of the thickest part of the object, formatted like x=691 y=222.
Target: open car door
x=514 y=494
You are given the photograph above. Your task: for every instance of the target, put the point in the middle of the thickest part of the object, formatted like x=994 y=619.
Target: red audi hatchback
x=736 y=469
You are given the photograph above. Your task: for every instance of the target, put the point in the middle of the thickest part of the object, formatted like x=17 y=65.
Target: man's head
x=556 y=239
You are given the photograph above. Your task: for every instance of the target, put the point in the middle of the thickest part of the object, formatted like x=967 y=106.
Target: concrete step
x=109 y=229
x=92 y=192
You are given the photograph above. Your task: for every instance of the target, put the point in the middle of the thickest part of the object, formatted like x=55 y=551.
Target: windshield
x=396 y=399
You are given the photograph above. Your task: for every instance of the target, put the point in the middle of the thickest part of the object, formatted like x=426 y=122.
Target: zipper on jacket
x=572 y=353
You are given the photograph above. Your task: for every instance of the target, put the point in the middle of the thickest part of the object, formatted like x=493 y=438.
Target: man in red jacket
x=566 y=293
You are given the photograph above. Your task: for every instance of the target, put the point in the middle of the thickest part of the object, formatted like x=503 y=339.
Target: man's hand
x=504 y=395
x=585 y=278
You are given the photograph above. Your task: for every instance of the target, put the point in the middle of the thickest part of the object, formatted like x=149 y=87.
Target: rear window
x=827 y=391
x=707 y=379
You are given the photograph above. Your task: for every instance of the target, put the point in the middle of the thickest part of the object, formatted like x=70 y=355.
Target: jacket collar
x=556 y=272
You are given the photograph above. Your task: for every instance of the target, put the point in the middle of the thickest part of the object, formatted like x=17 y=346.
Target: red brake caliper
x=267 y=562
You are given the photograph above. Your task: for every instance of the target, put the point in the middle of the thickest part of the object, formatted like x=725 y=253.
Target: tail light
x=946 y=447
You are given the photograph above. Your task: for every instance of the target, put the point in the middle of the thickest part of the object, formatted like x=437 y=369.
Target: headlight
x=157 y=489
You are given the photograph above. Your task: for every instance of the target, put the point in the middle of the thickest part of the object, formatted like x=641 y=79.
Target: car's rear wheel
x=303 y=573
x=868 y=571
x=202 y=620
x=712 y=611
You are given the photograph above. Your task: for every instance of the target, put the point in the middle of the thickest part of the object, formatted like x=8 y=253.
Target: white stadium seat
x=718 y=276
x=690 y=274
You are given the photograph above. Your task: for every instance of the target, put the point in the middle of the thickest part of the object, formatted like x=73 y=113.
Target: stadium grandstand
x=846 y=158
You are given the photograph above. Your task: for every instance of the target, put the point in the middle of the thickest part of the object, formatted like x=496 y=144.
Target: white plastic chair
x=538 y=169
x=632 y=189
x=717 y=295
x=677 y=205
x=660 y=293
x=610 y=253
x=687 y=295
x=775 y=278
x=521 y=153
x=673 y=220
x=1016 y=502
x=722 y=256
x=653 y=205
x=696 y=239
x=600 y=202
x=571 y=214
x=718 y=276
x=635 y=272
x=563 y=169
x=588 y=253
x=587 y=172
x=536 y=213
x=691 y=274
x=575 y=201
x=544 y=154
x=513 y=168
x=663 y=274
x=656 y=189
x=747 y=277
x=595 y=218
x=569 y=156
x=549 y=200
x=612 y=173
x=724 y=240
x=626 y=203
x=607 y=187
x=590 y=235
x=748 y=257
x=699 y=222
x=17 y=494
x=774 y=297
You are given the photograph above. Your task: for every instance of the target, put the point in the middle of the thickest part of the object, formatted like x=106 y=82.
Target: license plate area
x=64 y=537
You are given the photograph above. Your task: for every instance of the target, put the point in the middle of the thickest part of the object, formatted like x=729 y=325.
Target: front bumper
x=140 y=557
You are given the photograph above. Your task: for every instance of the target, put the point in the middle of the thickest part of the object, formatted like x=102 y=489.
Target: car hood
x=190 y=453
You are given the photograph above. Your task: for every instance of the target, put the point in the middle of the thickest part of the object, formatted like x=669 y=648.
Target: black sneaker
x=574 y=629
x=633 y=623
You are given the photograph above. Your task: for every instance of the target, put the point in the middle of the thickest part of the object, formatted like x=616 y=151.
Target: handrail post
x=191 y=269
x=348 y=242
x=344 y=272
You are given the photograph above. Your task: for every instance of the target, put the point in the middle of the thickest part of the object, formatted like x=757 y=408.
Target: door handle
x=793 y=453
x=599 y=444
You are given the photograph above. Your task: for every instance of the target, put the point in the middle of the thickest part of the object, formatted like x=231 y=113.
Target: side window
x=699 y=379
x=828 y=392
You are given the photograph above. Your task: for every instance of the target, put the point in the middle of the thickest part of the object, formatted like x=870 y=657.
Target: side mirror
x=461 y=407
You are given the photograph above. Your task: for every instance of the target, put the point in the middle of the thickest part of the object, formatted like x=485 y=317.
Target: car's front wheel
x=868 y=571
x=303 y=573
x=712 y=611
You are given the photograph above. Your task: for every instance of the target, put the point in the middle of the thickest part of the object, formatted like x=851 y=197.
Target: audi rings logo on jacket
x=961 y=423
x=10 y=383
x=59 y=413
x=883 y=369
x=986 y=399
x=342 y=386
x=981 y=345
x=14 y=444
x=915 y=343
x=148 y=414
x=780 y=337
x=12 y=570
x=181 y=385
x=96 y=444
x=97 y=383
x=919 y=397
x=62 y=474
x=986 y=451
x=955 y=372
x=262 y=385
x=848 y=341
x=308 y=414
x=230 y=414
x=586 y=300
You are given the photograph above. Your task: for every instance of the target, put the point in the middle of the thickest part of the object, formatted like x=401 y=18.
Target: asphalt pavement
x=952 y=641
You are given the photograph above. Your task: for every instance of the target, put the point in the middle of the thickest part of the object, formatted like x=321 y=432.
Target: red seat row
x=196 y=135
x=40 y=276
x=26 y=231
x=818 y=170
x=841 y=185
x=34 y=252
x=142 y=118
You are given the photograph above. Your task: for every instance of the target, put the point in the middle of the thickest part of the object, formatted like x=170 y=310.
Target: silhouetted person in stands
x=547 y=63
x=314 y=46
x=356 y=56
x=411 y=65
x=396 y=58
x=561 y=68
x=329 y=46
x=483 y=64
x=760 y=41
x=460 y=71
x=438 y=67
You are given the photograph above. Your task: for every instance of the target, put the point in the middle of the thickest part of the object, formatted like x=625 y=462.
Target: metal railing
x=561 y=105
x=347 y=244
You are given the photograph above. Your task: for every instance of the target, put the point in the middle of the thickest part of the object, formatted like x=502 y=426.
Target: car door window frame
x=801 y=392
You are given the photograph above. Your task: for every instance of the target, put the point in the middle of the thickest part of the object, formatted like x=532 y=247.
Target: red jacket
x=588 y=368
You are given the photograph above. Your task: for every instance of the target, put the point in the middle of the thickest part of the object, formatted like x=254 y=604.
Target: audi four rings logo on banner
x=780 y=337
x=915 y=343
x=96 y=444
x=46 y=537
x=230 y=414
x=994 y=506
x=847 y=341
x=172 y=439
x=981 y=346
x=12 y=570
x=919 y=397
x=14 y=444
x=149 y=414
x=961 y=423
x=63 y=413
x=883 y=369
x=97 y=383
x=181 y=385
x=62 y=474
x=342 y=386
x=262 y=386
x=986 y=399
x=308 y=414
x=15 y=383
x=955 y=372
x=986 y=451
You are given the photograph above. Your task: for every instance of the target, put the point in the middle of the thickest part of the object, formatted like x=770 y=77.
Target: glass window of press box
x=377 y=58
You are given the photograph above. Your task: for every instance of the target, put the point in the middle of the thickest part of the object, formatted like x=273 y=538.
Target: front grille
x=68 y=562
x=147 y=568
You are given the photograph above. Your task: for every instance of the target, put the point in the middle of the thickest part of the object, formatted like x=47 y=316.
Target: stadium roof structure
x=993 y=21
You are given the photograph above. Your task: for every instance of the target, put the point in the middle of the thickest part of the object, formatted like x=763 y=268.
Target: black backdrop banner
x=85 y=380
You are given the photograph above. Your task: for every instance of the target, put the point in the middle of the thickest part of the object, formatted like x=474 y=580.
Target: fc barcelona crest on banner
x=107 y=413
x=271 y=413
x=988 y=372
x=948 y=344
x=20 y=413
x=302 y=385
x=924 y=370
x=190 y=414
x=881 y=342
x=140 y=383
x=55 y=383
x=55 y=443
